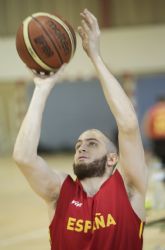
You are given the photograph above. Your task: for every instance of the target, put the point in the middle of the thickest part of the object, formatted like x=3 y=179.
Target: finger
x=87 y=12
x=91 y=19
x=87 y=18
x=39 y=77
x=82 y=14
x=41 y=74
x=85 y=26
x=81 y=32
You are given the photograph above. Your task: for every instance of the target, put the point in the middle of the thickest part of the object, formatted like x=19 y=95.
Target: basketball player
x=104 y=207
x=154 y=128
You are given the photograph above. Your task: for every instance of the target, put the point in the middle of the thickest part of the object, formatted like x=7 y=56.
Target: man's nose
x=82 y=148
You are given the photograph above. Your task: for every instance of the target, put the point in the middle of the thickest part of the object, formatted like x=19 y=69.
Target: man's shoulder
x=68 y=181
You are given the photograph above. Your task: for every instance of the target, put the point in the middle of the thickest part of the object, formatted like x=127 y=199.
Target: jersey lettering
x=86 y=226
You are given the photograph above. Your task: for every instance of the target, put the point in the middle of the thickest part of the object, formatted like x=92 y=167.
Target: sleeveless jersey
x=105 y=221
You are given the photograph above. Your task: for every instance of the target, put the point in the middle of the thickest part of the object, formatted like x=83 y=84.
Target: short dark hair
x=110 y=145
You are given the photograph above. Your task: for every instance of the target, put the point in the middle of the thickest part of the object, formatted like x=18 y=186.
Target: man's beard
x=88 y=170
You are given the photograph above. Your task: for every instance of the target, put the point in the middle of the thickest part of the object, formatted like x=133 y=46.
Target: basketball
x=44 y=42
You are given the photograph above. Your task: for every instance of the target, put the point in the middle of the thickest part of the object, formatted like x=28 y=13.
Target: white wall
x=137 y=49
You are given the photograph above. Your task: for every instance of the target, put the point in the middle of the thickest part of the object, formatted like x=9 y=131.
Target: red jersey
x=105 y=221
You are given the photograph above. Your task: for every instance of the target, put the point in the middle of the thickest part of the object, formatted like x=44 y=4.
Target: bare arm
x=42 y=179
x=130 y=144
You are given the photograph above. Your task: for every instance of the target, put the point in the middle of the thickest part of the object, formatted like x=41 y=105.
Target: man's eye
x=92 y=143
x=77 y=146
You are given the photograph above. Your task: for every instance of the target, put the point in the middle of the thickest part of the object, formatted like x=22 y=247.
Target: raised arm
x=42 y=179
x=131 y=156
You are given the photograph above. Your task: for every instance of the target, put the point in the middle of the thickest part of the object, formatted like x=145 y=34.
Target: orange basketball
x=44 y=42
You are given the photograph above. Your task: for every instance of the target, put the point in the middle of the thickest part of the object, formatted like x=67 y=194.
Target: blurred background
x=133 y=47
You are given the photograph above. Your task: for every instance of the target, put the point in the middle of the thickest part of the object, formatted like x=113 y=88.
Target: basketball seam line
x=27 y=41
x=31 y=44
x=49 y=38
x=64 y=25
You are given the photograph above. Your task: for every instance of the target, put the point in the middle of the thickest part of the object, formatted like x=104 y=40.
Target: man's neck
x=92 y=185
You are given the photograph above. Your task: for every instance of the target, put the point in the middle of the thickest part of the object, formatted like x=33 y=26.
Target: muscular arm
x=42 y=179
x=130 y=145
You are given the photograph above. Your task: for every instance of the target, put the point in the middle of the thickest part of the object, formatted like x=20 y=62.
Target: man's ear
x=112 y=159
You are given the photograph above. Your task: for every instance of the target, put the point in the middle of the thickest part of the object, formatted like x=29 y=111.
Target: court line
x=23 y=237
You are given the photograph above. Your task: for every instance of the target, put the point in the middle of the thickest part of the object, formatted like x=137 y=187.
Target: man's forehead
x=100 y=137
x=91 y=134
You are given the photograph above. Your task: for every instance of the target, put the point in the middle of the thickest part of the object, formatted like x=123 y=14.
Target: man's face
x=90 y=156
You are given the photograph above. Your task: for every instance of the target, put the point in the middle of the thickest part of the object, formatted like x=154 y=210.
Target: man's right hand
x=48 y=82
